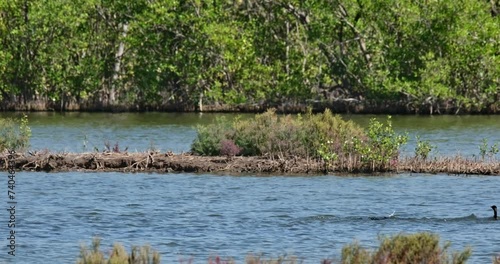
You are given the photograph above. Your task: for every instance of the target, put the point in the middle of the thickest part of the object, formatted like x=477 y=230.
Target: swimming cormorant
x=494 y=207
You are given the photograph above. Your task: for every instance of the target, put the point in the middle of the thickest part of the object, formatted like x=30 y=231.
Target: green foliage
x=209 y=138
x=185 y=53
x=321 y=136
x=413 y=248
x=326 y=154
x=355 y=254
x=325 y=136
x=329 y=137
x=138 y=255
x=258 y=136
x=14 y=136
x=486 y=150
x=423 y=148
x=381 y=148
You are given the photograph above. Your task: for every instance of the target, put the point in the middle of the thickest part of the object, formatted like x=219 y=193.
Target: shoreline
x=177 y=163
x=338 y=105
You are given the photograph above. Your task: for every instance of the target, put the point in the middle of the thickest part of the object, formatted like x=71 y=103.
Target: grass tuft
x=412 y=248
x=118 y=255
x=402 y=248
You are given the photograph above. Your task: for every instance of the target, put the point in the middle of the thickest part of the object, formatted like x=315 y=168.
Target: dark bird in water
x=494 y=207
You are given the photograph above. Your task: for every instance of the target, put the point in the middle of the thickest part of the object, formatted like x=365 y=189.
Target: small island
x=267 y=144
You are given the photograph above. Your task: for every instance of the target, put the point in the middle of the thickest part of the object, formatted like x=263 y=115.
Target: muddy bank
x=169 y=162
x=154 y=162
x=337 y=105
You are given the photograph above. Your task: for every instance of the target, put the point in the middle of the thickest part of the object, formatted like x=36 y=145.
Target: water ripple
x=203 y=215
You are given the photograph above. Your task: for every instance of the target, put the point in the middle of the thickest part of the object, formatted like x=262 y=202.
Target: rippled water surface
x=83 y=132
x=202 y=215
x=184 y=215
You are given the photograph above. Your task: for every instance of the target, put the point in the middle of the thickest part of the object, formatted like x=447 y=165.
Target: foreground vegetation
x=118 y=255
x=412 y=248
x=441 y=56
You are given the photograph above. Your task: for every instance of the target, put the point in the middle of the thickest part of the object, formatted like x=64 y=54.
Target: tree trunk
x=116 y=71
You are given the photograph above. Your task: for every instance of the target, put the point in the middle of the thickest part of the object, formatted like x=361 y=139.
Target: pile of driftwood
x=185 y=162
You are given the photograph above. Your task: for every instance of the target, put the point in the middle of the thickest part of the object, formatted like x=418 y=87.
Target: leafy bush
x=381 y=149
x=209 y=138
x=270 y=135
x=486 y=150
x=254 y=136
x=138 y=255
x=14 y=136
x=355 y=254
x=329 y=136
x=423 y=148
x=413 y=248
x=323 y=136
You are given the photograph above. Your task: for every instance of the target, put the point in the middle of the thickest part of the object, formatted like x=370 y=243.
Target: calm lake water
x=203 y=215
x=83 y=132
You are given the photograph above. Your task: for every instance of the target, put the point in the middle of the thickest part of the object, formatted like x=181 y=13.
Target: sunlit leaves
x=187 y=52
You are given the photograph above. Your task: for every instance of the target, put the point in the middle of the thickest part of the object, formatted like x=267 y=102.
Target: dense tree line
x=185 y=53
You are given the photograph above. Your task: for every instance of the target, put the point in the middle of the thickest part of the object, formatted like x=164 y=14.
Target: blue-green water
x=186 y=215
x=84 y=132
x=202 y=215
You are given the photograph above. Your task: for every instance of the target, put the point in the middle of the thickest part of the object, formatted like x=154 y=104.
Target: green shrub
x=355 y=254
x=413 y=248
x=209 y=138
x=423 y=148
x=486 y=150
x=381 y=149
x=14 y=136
x=270 y=135
x=254 y=135
x=330 y=137
x=325 y=136
x=138 y=255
